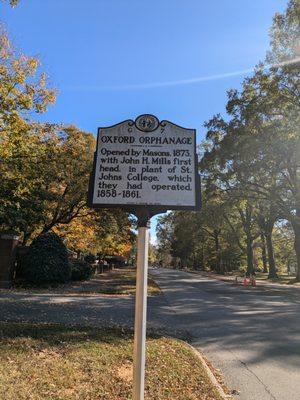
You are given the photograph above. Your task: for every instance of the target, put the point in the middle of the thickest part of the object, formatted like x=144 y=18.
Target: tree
x=164 y=232
x=152 y=254
x=267 y=215
x=107 y=232
x=202 y=240
x=22 y=143
x=13 y=3
x=228 y=171
x=22 y=89
x=250 y=166
x=45 y=173
x=66 y=179
x=271 y=101
x=21 y=193
x=185 y=239
x=45 y=168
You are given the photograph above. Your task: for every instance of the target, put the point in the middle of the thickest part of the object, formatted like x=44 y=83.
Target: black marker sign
x=145 y=163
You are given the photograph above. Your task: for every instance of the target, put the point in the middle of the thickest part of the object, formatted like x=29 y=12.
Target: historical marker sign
x=145 y=163
x=145 y=167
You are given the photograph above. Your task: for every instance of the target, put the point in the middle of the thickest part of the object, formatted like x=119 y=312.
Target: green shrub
x=46 y=261
x=20 y=255
x=80 y=270
x=90 y=258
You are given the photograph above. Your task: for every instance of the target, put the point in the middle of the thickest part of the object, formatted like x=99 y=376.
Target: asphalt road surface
x=251 y=335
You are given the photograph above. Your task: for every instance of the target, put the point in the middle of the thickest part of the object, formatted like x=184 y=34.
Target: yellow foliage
x=94 y=233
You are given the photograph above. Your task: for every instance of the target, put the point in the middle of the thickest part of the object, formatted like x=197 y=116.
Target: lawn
x=282 y=278
x=261 y=276
x=53 y=362
x=122 y=281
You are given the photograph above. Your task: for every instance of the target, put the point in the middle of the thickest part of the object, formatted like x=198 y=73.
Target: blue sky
x=112 y=59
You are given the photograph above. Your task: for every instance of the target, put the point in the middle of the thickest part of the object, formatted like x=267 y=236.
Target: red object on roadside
x=246 y=281
x=249 y=281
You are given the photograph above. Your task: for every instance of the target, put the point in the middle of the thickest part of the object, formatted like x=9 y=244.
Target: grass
x=261 y=276
x=53 y=362
x=122 y=281
x=282 y=278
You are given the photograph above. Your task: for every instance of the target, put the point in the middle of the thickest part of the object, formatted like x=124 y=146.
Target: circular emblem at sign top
x=147 y=123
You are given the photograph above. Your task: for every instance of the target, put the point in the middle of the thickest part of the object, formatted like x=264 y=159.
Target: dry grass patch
x=51 y=362
x=282 y=278
x=122 y=281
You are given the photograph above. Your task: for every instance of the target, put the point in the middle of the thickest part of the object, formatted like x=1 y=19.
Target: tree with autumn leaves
x=250 y=165
x=255 y=156
x=45 y=167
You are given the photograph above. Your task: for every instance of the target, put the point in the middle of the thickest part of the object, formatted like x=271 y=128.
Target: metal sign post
x=141 y=308
x=144 y=167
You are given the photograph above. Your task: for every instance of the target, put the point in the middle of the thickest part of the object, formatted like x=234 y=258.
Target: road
x=251 y=335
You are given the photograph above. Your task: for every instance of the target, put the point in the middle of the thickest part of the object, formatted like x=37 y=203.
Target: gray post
x=141 y=307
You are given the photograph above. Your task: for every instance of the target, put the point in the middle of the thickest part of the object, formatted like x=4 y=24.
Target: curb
x=210 y=374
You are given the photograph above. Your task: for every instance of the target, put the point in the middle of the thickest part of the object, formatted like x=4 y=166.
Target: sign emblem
x=147 y=123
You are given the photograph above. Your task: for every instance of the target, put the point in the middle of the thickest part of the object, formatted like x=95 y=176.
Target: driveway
x=252 y=335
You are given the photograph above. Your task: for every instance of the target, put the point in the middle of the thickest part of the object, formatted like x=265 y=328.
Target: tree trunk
x=201 y=259
x=250 y=268
x=264 y=253
x=296 y=228
x=272 y=265
x=217 y=248
x=247 y=221
x=26 y=237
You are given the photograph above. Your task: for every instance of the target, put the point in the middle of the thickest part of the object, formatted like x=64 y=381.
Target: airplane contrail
x=181 y=82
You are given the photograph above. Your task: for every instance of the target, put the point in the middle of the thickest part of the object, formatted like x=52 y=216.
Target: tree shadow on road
x=215 y=313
